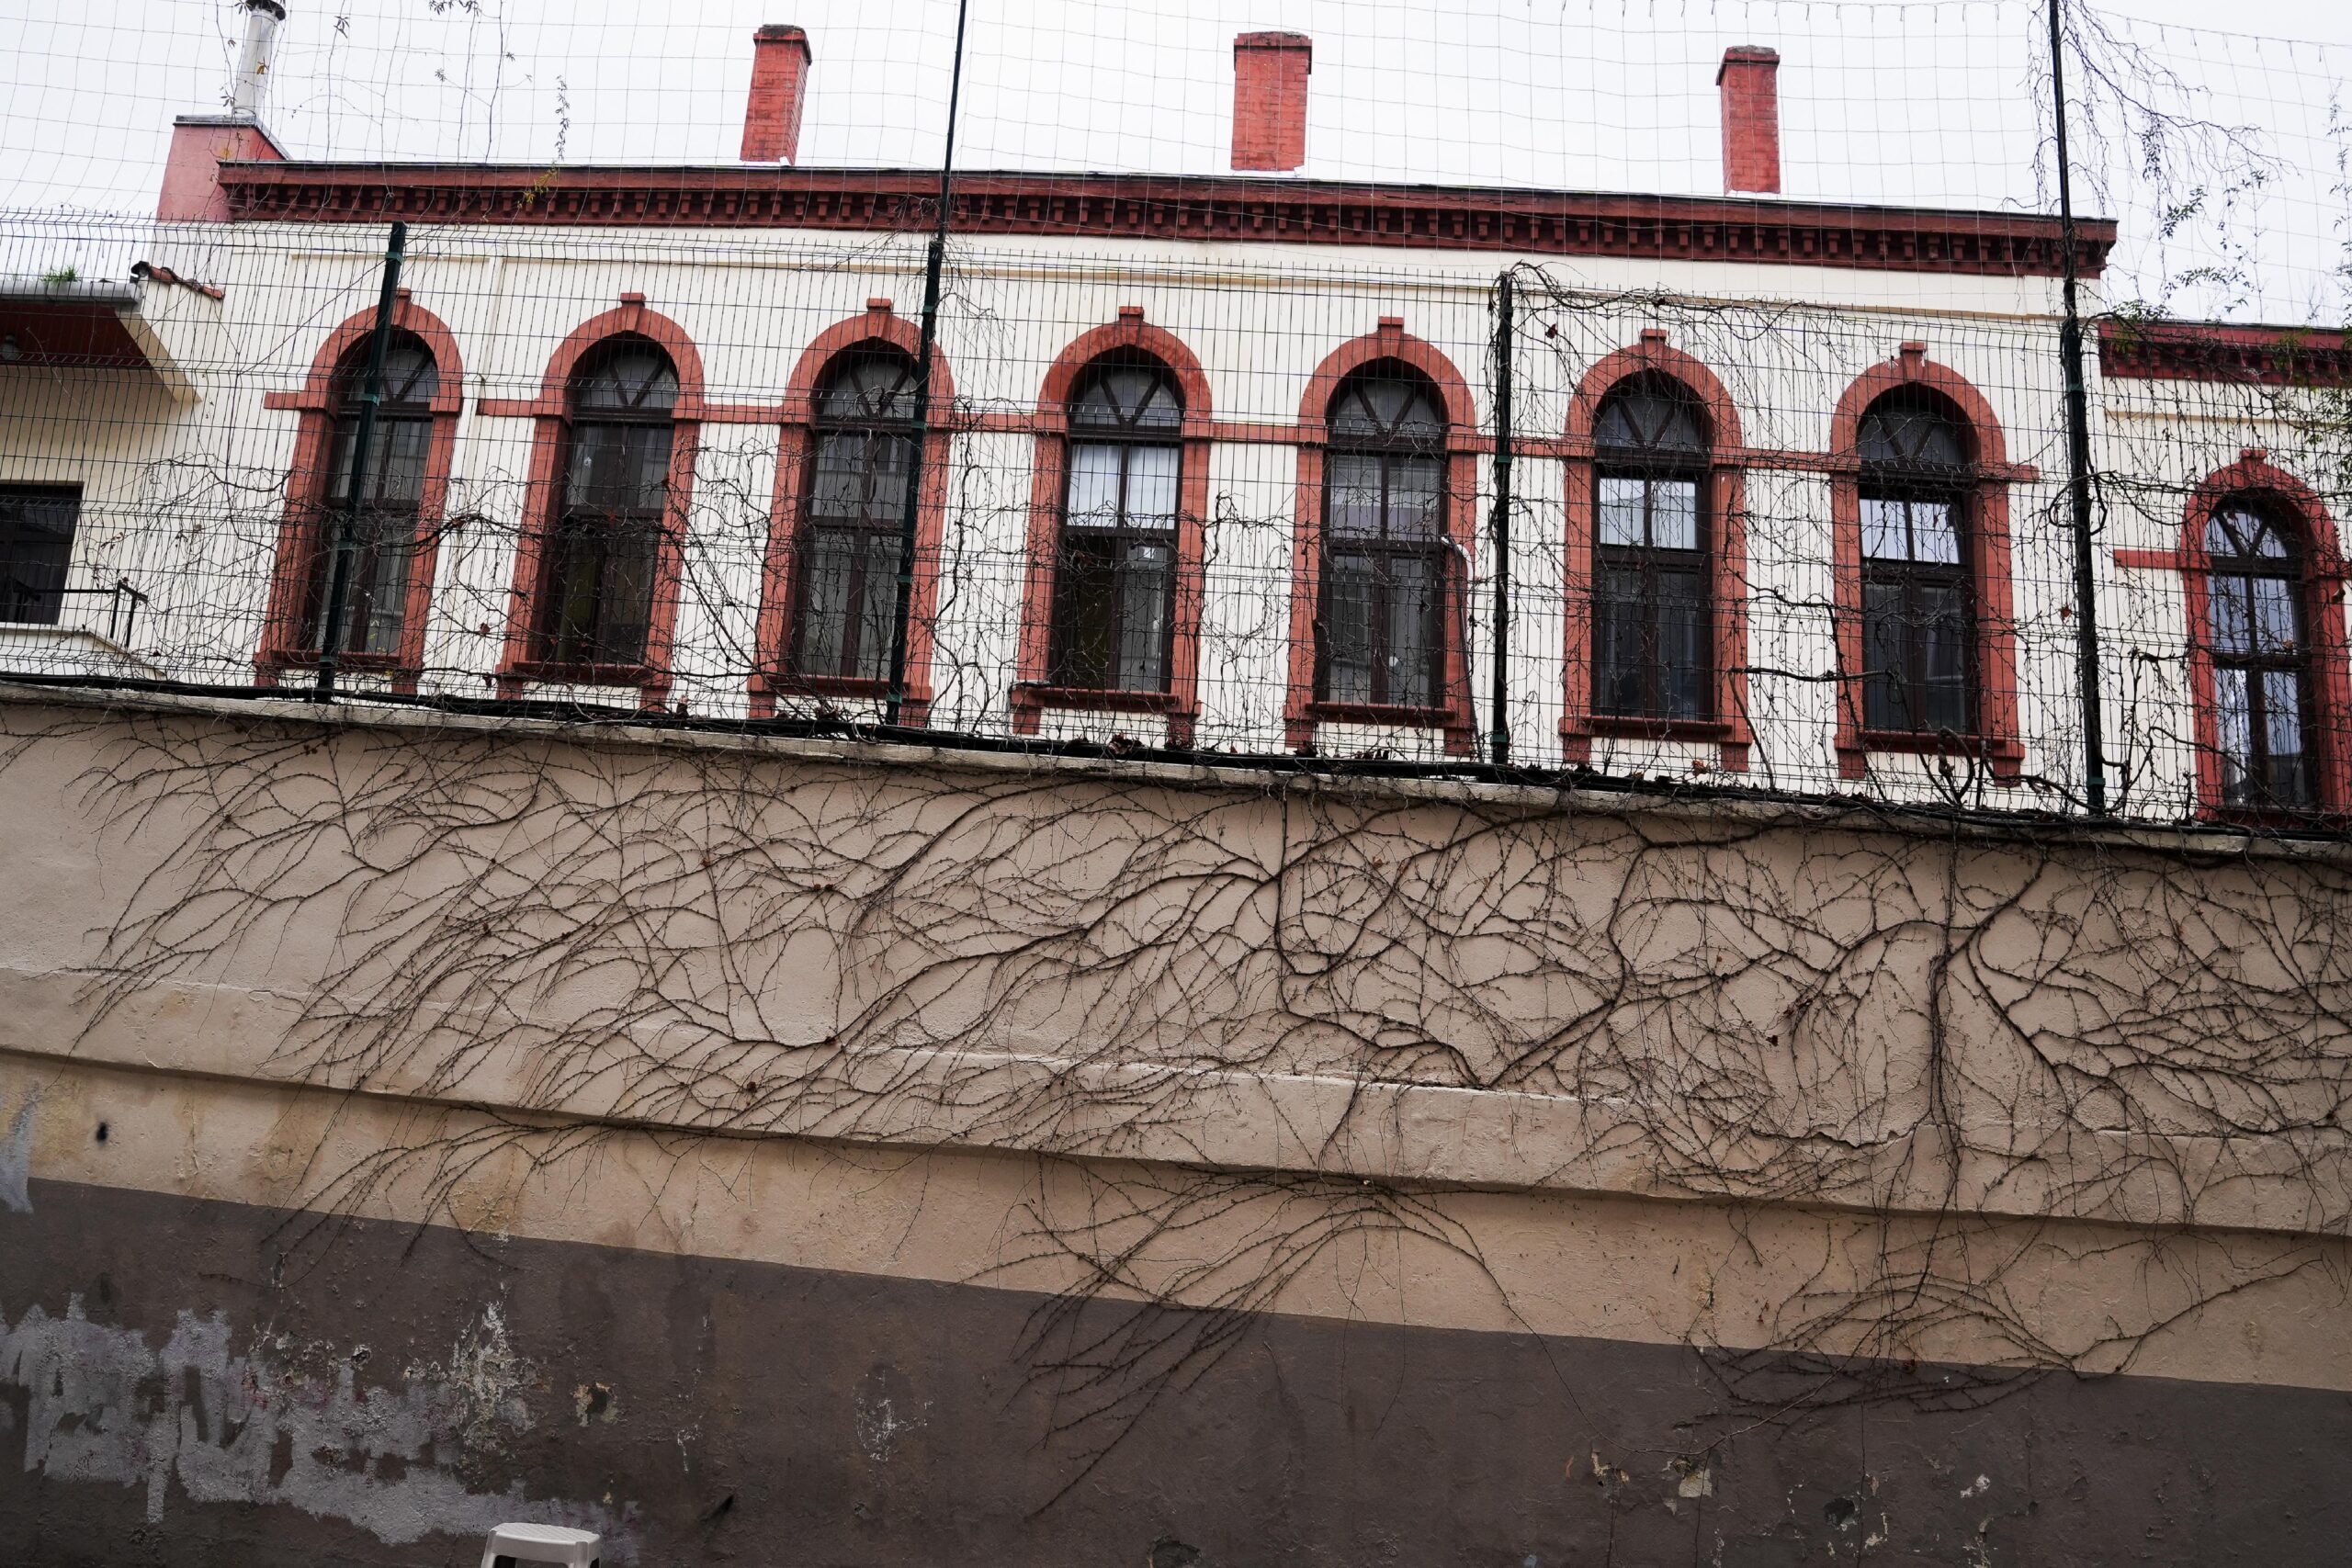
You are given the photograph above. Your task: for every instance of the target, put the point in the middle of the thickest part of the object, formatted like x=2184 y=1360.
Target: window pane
x=2233 y=615
x=651 y=445
x=1674 y=515
x=1151 y=486
x=618 y=468
x=869 y=387
x=2282 y=713
x=1685 y=679
x=1346 y=628
x=1946 y=678
x=1902 y=431
x=634 y=377
x=2234 y=735
x=1145 y=580
x=2273 y=608
x=1410 y=616
x=1387 y=400
x=1085 y=612
x=1883 y=534
x=577 y=570
x=1617 y=640
x=627 y=596
x=1093 y=486
x=837 y=487
x=384 y=547
x=877 y=605
x=600 y=593
x=1886 y=683
x=395 y=466
x=1934 y=537
x=826 y=577
x=36 y=545
x=1415 y=491
x=1621 y=511
x=1355 y=497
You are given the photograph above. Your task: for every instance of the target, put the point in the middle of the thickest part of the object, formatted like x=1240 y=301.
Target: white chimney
x=261 y=18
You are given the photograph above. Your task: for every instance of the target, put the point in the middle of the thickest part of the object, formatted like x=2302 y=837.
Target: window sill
x=584 y=675
x=2005 y=753
x=785 y=683
x=1036 y=693
x=308 y=659
x=1633 y=726
x=2308 y=819
x=1384 y=713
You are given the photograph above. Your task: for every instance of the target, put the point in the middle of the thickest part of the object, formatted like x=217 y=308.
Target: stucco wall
x=1656 y=1171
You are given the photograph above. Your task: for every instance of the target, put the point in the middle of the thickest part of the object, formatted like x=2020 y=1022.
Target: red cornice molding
x=1171 y=208
x=2210 y=351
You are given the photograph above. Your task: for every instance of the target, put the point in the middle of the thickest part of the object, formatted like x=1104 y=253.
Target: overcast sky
x=1928 y=103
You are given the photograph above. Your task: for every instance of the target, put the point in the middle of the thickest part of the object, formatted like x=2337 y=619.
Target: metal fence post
x=2078 y=451
x=902 y=627
x=1498 y=737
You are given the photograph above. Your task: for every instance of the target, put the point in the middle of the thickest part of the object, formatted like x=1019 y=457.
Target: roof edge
x=1218 y=208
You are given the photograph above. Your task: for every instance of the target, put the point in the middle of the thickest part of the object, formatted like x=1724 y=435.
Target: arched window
x=1115 y=571
x=861 y=461
x=1653 y=655
x=1380 y=633
x=604 y=551
x=1918 y=614
x=2256 y=633
x=382 y=518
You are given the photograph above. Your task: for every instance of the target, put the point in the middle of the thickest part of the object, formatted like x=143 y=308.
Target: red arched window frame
x=552 y=411
x=1989 y=476
x=302 y=532
x=1301 y=711
x=2255 y=474
x=1726 y=501
x=773 y=678
x=1033 y=691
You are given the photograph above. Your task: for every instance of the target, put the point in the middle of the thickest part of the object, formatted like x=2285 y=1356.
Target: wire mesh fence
x=1216 y=467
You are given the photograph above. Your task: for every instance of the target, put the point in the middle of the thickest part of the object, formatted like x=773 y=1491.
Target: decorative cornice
x=1171 y=208
x=2211 y=350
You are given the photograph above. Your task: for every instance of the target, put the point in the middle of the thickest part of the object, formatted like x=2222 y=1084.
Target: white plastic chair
x=512 y=1545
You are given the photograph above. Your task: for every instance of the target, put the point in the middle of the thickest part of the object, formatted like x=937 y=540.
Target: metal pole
x=1498 y=738
x=922 y=435
x=2078 y=452
x=363 y=443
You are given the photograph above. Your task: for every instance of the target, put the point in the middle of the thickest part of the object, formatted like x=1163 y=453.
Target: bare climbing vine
x=1944 y=1041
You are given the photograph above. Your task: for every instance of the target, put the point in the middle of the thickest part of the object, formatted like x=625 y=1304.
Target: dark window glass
x=604 y=550
x=2254 y=632
x=859 y=468
x=36 y=547
x=1653 y=654
x=1380 y=638
x=1115 y=580
x=383 y=522
x=1919 y=604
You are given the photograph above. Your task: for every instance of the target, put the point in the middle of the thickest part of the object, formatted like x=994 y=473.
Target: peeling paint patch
x=1981 y=1483
x=17 y=1159
x=486 y=1379
x=596 y=1401
x=247 y=1430
x=1691 y=1478
x=886 y=1413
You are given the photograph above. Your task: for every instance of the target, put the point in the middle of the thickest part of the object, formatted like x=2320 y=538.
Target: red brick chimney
x=780 y=59
x=1750 y=83
x=1269 y=99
